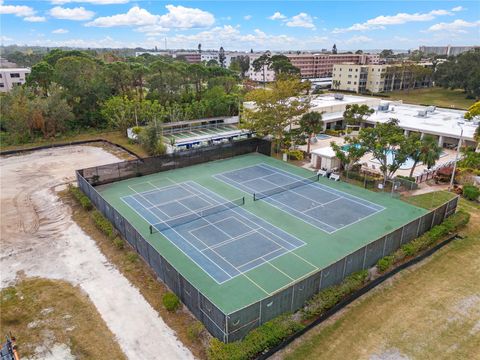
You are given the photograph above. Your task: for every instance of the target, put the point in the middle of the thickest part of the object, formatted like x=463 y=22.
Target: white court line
x=279 y=270
x=251 y=232
x=327 y=188
x=172 y=201
x=262 y=257
x=184 y=251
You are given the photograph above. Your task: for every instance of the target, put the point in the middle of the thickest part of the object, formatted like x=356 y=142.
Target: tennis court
x=236 y=262
x=218 y=235
x=321 y=206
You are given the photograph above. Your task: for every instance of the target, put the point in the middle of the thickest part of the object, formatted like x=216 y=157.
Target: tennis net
x=184 y=219
x=282 y=188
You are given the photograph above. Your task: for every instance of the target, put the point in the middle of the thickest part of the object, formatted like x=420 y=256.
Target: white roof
x=15 y=69
x=443 y=122
x=329 y=100
x=326 y=152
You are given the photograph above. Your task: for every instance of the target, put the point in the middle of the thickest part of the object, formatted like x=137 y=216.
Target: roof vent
x=431 y=109
x=338 y=96
x=422 y=113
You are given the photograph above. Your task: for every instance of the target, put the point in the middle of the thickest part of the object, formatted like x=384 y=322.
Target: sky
x=240 y=25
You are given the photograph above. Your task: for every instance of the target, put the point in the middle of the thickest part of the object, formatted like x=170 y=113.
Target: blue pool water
x=323 y=136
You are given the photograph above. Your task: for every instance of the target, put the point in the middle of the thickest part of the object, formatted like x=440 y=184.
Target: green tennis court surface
x=237 y=251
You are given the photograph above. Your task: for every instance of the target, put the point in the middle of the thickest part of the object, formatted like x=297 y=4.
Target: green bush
x=257 y=341
x=170 y=301
x=195 y=330
x=409 y=178
x=328 y=297
x=471 y=192
x=384 y=263
x=449 y=225
x=103 y=224
x=83 y=200
x=119 y=243
x=295 y=154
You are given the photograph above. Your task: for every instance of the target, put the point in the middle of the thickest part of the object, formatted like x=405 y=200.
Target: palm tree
x=311 y=123
x=426 y=150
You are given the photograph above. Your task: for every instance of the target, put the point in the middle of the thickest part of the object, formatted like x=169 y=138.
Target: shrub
x=103 y=224
x=195 y=330
x=295 y=154
x=384 y=263
x=82 y=199
x=328 y=297
x=132 y=256
x=471 y=192
x=119 y=244
x=170 y=301
x=409 y=178
x=257 y=341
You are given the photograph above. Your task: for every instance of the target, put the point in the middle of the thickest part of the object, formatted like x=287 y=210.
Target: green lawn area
x=430 y=200
x=434 y=96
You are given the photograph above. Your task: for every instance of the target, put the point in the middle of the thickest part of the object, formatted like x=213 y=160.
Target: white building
x=10 y=77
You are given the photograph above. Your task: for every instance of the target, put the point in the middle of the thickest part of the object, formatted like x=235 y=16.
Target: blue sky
x=240 y=25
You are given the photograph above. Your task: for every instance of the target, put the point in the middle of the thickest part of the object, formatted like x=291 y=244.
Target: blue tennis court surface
x=220 y=236
x=319 y=205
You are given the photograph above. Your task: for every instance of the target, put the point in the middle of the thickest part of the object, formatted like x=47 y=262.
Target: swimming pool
x=323 y=136
x=390 y=156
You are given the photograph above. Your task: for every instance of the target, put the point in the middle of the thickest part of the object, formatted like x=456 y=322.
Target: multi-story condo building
x=446 y=50
x=11 y=77
x=379 y=78
x=315 y=65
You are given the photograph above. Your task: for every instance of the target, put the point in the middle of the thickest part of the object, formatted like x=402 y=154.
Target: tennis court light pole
x=460 y=124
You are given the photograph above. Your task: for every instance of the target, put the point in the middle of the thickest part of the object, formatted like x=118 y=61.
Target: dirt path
x=39 y=238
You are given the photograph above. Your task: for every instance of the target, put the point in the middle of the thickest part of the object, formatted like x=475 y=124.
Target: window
x=1 y=76
x=2 y=85
x=15 y=75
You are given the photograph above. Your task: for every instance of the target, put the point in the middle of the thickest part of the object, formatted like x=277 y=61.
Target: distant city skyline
x=240 y=25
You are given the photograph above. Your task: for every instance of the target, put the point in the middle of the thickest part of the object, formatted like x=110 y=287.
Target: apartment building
x=314 y=65
x=11 y=77
x=378 y=78
x=446 y=50
x=264 y=75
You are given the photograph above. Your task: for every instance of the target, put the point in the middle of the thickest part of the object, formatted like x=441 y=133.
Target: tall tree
x=387 y=144
x=351 y=154
x=355 y=114
x=262 y=63
x=221 y=57
x=424 y=150
x=334 y=49
x=41 y=76
x=276 y=109
x=240 y=64
x=311 y=124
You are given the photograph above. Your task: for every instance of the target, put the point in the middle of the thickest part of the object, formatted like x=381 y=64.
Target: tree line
x=94 y=92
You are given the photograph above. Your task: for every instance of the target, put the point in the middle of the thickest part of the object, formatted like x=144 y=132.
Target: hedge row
x=103 y=224
x=81 y=197
x=257 y=341
x=448 y=226
x=330 y=296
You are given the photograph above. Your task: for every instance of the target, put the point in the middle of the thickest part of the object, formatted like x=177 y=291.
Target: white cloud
x=247 y=17
x=59 y=31
x=457 y=26
x=17 y=10
x=357 y=40
x=93 y=2
x=176 y=17
x=277 y=16
x=458 y=8
x=301 y=20
x=5 y=38
x=35 y=18
x=384 y=20
x=78 y=13
x=186 y=18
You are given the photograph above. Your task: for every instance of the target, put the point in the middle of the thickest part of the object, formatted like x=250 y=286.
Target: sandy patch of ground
x=40 y=239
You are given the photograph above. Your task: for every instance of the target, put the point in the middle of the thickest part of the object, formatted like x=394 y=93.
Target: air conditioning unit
x=383 y=107
x=422 y=113
x=338 y=96
x=431 y=109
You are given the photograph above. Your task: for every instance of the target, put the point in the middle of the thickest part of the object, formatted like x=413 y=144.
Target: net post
x=151 y=229
x=254 y=197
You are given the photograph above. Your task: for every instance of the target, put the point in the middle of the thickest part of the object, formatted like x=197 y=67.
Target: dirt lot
x=431 y=311
x=40 y=239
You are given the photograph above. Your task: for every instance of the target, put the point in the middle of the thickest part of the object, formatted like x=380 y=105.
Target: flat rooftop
x=441 y=122
x=328 y=100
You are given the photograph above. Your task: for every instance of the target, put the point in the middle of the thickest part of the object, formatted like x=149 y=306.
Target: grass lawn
x=115 y=137
x=433 y=96
x=431 y=311
x=44 y=313
x=430 y=200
